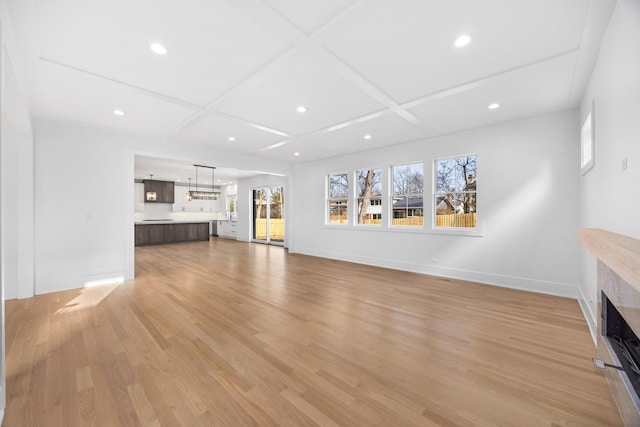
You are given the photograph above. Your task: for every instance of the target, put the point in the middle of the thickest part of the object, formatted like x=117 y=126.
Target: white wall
x=609 y=196
x=17 y=184
x=87 y=234
x=527 y=202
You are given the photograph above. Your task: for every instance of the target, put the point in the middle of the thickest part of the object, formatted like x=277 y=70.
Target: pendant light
x=189 y=192
x=203 y=195
x=151 y=196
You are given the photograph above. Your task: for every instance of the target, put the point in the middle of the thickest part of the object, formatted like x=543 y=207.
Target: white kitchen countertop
x=181 y=221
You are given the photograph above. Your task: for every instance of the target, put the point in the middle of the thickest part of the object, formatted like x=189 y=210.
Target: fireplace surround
x=619 y=321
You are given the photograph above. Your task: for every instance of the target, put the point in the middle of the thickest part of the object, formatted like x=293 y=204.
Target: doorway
x=268 y=215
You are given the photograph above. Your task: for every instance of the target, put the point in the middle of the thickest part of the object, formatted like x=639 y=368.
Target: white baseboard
x=592 y=323
x=521 y=283
x=67 y=284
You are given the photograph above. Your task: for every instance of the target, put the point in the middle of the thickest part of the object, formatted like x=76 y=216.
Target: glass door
x=268 y=215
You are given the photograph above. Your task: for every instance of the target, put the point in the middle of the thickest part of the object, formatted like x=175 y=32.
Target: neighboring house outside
x=404 y=207
x=449 y=205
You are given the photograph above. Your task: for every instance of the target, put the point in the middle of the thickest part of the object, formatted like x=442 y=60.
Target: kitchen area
x=182 y=203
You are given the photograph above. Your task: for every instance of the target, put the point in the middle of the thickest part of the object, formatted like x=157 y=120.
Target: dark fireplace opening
x=623 y=341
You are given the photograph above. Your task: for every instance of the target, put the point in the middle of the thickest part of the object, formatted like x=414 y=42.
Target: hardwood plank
x=230 y=333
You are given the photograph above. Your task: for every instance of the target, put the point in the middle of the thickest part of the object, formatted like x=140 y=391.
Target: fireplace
x=618 y=343
x=623 y=341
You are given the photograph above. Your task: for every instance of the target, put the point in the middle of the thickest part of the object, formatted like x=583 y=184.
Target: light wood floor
x=225 y=333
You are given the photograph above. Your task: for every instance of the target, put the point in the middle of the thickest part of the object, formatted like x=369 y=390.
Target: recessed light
x=462 y=41
x=118 y=112
x=158 y=48
x=296 y=154
x=493 y=106
x=232 y=138
x=301 y=109
x=367 y=136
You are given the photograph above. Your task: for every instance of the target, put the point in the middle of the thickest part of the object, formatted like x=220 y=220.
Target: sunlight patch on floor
x=91 y=294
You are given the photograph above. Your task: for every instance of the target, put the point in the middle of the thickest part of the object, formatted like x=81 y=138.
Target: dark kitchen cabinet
x=155 y=234
x=158 y=191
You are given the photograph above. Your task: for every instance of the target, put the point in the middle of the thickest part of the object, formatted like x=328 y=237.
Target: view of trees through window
x=338 y=198
x=455 y=192
x=275 y=205
x=231 y=204
x=361 y=202
x=407 y=199
x=369 y=196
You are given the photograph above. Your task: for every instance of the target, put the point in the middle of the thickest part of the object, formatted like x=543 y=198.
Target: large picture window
x=369 y=193
x=456 y=192
x=407 y=197
x=338 y=198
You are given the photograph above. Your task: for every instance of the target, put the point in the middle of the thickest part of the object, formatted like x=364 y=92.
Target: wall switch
x=624 y=163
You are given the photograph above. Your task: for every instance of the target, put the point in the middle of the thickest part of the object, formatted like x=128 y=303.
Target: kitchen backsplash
x=181 y=210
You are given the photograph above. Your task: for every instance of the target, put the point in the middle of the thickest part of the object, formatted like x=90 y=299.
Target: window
x=455 y=192
x=406 y=200
x=338 y=198
x=231 y=204
x=369 y=194
x=587 y=143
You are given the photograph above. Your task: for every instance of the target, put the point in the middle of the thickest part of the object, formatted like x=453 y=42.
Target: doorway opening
x=268 y=215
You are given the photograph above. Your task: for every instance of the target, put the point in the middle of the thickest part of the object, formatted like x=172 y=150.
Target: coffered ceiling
x=236 y=71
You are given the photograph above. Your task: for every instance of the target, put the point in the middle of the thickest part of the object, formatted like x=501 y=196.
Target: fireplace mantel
x=619 y=308
x=620 y=253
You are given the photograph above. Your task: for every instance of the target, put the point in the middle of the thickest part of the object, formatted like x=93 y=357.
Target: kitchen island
x=157 y=232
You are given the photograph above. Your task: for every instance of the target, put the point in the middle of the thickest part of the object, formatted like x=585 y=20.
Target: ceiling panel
x=80 y=97
x=388 y=129
x=408 y=51
x=328 y=97
x=214 y=131
x=211 y=46
x=547 y=89
x=310 y=15
x=308 y=147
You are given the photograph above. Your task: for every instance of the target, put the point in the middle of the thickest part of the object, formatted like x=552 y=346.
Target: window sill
x=475 y=232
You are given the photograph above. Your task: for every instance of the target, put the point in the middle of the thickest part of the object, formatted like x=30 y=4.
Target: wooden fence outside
x=412 y=221
x=276 y=229
x=338 y=219
x=467 y=220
